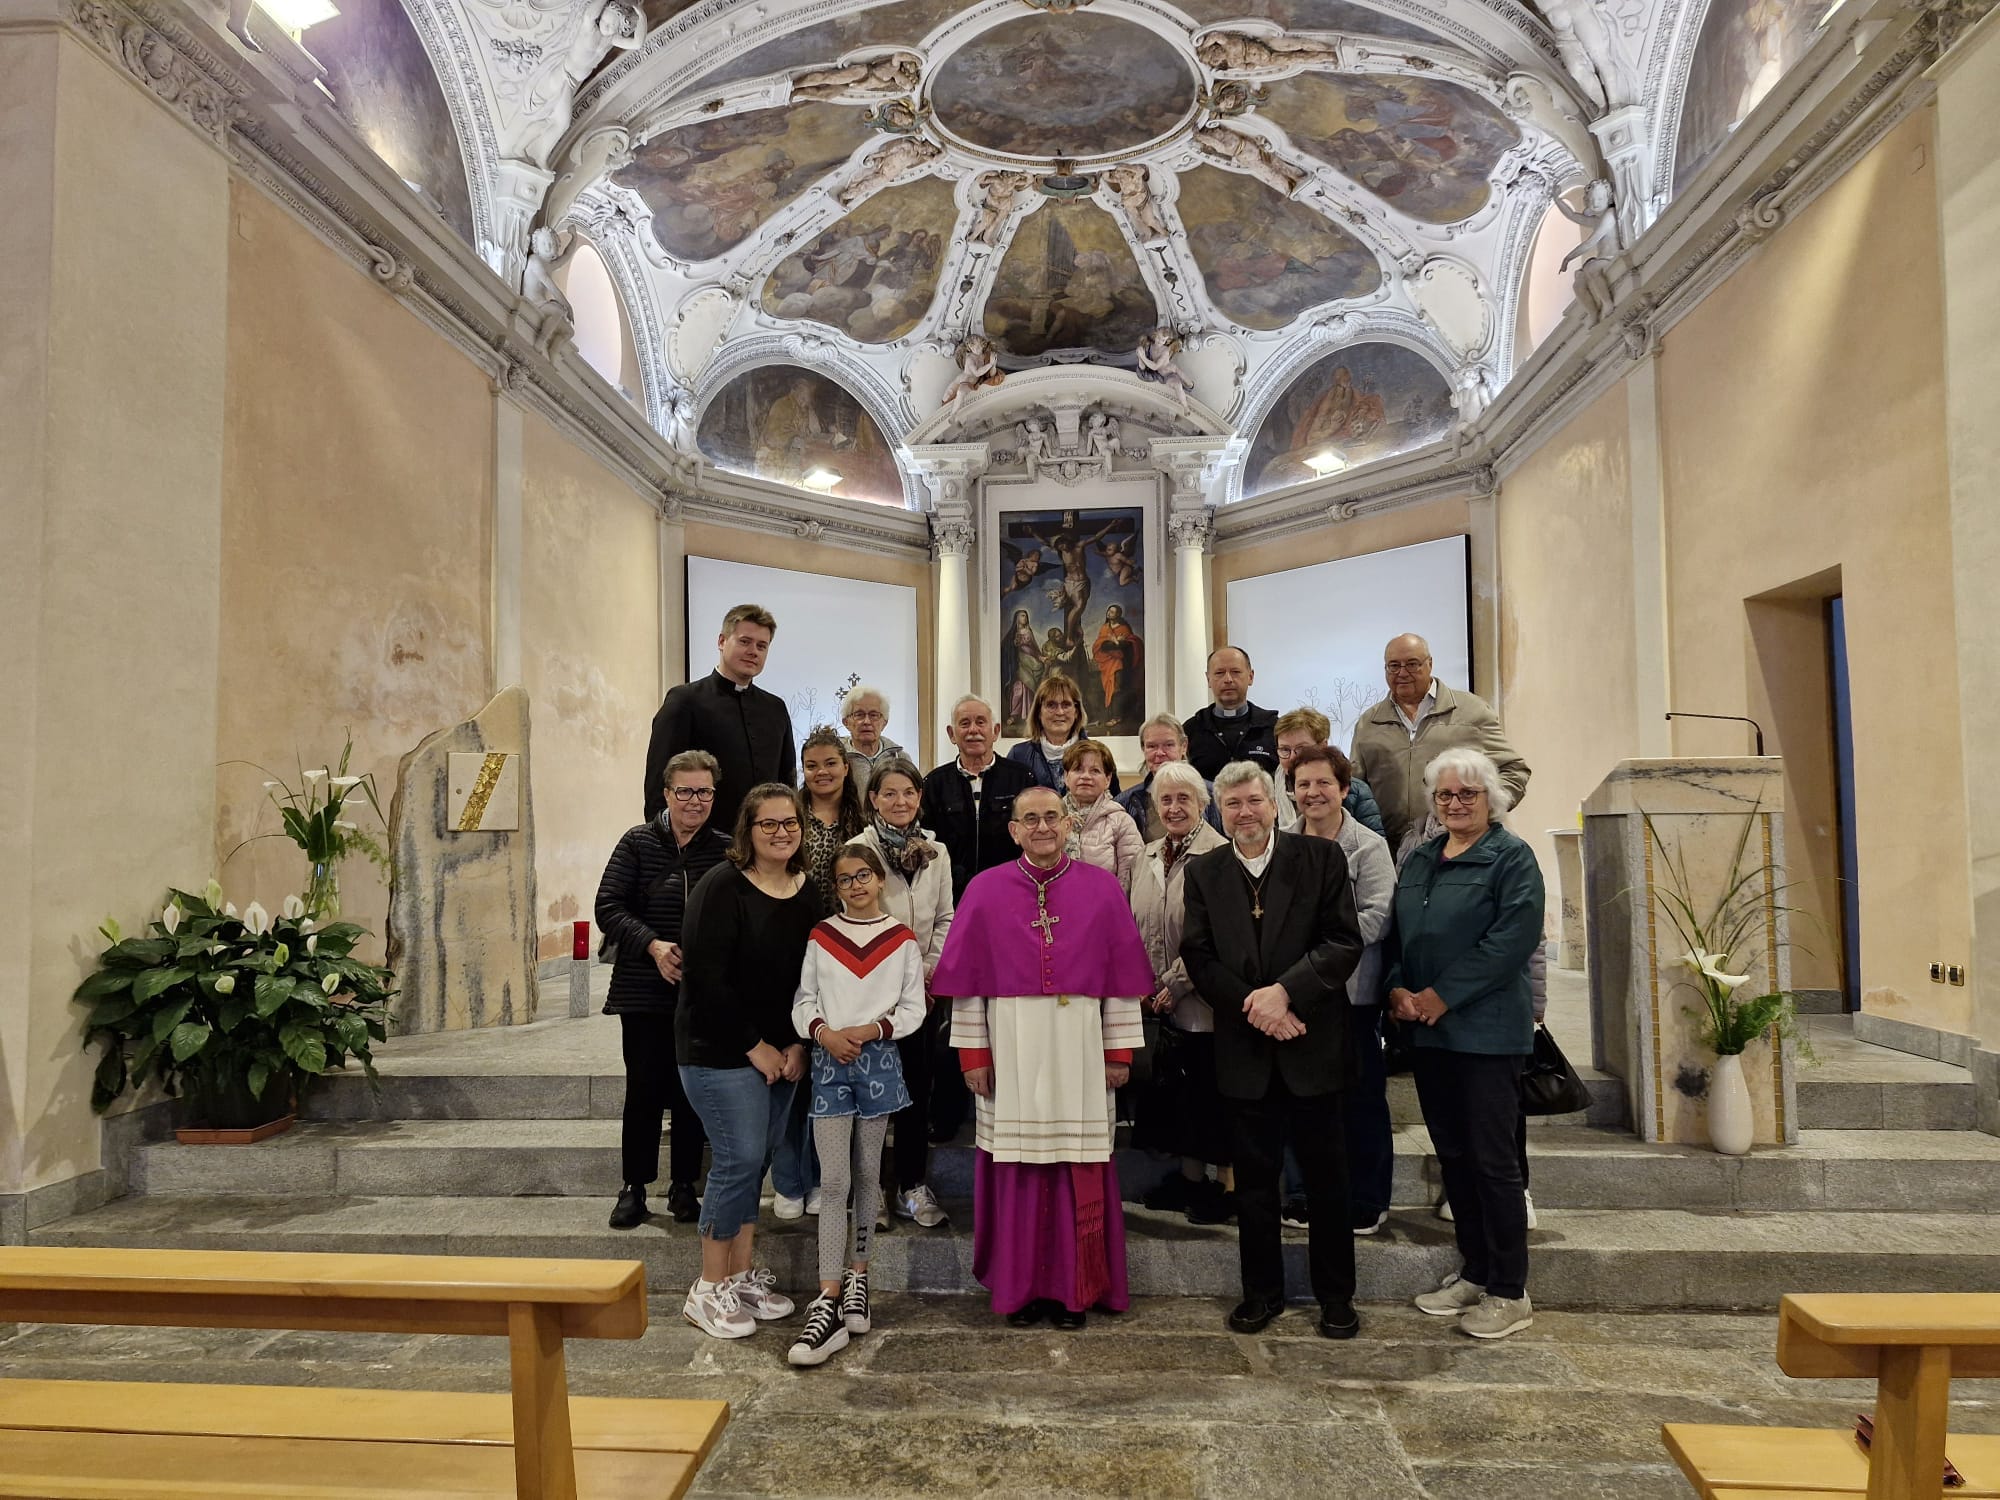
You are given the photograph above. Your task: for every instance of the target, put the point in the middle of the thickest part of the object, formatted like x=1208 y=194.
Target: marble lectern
x=1643 y=1004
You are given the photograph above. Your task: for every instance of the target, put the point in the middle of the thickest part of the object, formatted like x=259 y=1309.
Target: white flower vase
x=1730 y=1126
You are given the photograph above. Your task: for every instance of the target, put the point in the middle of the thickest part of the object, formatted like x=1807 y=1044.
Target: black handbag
x=1549 y=1085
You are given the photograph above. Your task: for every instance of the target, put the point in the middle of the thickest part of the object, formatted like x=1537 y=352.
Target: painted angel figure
x=1118 y=559
x=1025 y=563
x=603 y=27
x=1599 y=218
x=1240 y=52
x=1247 y=153
x=978 y=367
x=1134 y=190
x=896 y=73
x=1157 y=363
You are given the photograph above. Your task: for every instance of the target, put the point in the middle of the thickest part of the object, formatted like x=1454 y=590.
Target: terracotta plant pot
x=196 y=1135
x=226 y=1113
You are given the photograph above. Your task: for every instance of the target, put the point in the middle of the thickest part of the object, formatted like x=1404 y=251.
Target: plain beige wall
x=111 y=378
x=590 y=660
x=1802 y=408
x=1566 y=633
x=922 y=732
x=357 y=499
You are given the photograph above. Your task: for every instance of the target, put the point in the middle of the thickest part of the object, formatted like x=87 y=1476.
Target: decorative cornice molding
x=160 y=62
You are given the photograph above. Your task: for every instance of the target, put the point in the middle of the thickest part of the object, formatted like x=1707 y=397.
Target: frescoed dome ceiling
x=859 y=189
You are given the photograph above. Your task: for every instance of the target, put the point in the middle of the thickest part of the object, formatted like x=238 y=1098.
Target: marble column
x=1192 y=531
x=951 y=471
x=1968 y=145
x=113 y=367
x=1647 y=822
x=1569 y=894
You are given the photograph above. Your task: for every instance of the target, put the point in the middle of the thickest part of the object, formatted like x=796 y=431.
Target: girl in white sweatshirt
x=861 y=987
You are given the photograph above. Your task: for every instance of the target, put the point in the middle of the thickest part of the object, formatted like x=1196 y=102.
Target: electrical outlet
x=1956 y=974
x=1937 y=973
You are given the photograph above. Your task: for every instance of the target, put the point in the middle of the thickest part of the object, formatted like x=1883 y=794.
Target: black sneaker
x=1294 y=1215
x=854 y=1301
x=823 y=1336
x=1338 y=1321
x=1170 y=1194
x=631 y=1210
x=1211 y=1203
x=682 y=1203
x=1028 y=1314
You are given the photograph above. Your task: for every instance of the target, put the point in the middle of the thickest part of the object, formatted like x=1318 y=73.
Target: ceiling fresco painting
x=1069 y=281
x=1363 y=402
x=872 y=274
x=1426 y=147
x=796 y=427
x=1063 y=85
x=1745 y=47
x=382 y=84
x=902 y=24
x=1305 y=15
x=710 y=185
x=1266 y=259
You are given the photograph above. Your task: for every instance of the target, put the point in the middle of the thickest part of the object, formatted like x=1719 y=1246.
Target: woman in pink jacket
x=1101 y=832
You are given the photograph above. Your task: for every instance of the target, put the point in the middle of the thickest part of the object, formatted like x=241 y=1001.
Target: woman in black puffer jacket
x=640 y=903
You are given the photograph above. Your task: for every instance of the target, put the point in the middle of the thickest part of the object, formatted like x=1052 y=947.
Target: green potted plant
x=315 y=815
x=240 y=1013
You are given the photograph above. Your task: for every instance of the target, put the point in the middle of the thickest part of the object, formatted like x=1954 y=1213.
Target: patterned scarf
x=1175 y=848
x=904 y=849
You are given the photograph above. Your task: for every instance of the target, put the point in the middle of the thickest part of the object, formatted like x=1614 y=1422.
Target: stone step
x=1571 y=1167
x=1889 y=1104
x=415 y=1093
x=1580 y=1258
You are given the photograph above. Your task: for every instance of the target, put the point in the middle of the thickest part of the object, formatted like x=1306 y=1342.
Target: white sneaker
x=1454 y=1295
x=812 y=1202
x=1496 y=1317
x=1444 y=1211
x=787 y=1208
x=921 y=1204
x=1528 y=1198
x=822 y=1337
x=715 y=1311
x=757 y=1290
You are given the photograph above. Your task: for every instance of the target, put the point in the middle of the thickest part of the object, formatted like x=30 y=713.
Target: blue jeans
x=794 y=1158
x=744 y=1117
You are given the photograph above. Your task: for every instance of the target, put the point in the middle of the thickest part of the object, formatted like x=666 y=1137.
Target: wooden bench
x=1911 y=1345
x=117 y=1440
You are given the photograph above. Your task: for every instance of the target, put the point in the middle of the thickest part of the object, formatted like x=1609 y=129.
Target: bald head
x=1406 y=665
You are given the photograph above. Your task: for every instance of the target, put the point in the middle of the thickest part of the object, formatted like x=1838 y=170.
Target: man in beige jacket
x=1420 y=719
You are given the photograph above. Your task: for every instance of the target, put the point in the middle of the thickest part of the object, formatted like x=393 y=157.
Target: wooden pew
x=1911 y=1345
x=90 y=1440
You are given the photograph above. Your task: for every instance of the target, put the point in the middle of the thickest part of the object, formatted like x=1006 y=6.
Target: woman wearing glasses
x=741 y=1061
x=640 y=905
x=1468 y=912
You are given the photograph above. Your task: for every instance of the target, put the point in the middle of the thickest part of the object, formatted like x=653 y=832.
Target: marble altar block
x=1569 y=895
x=1643 y=1004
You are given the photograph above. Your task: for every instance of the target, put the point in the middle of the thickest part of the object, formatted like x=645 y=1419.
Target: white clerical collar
x=728 y=681
x=1262 y=862
x=1229 y=713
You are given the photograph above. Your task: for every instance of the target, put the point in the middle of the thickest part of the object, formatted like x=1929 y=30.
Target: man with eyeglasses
x=1397 y=739
x=640 y=904
x=1046 y=973
x=864 y=714
x=746 y=729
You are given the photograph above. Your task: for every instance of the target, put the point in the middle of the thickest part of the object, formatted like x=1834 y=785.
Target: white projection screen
x=831 y=632
x=1315 y=635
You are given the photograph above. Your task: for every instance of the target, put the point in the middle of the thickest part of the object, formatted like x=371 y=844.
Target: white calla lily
x=256 y=918
x=318 y=774
x=171 y=918
x=312 y=943
x=292 y=908
x=225 y=984
x=272 y=786
x=345 y=781
x=307 y=924
x=330 y=983
x=1711 y=969
x=229 y=909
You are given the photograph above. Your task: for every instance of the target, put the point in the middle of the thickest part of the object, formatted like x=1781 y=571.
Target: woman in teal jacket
x=1468 y=913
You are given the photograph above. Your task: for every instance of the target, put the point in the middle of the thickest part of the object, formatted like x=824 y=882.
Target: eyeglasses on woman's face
x=1464 y=796
x=694 y=793
x=772 y=827
x=854 y=879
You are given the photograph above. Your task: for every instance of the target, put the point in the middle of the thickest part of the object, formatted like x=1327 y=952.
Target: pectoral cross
x=1047 y=924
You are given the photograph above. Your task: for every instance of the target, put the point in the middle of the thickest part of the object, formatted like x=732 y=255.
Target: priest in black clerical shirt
x=1231 y=728
x=746 y=729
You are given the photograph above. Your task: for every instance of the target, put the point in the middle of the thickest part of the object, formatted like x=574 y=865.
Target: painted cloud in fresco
x=1360 y=403
x=782 y=423
x=872 y=274
x=710 y=185
x=1266 y=259
x=1069 y=281
x=1426 y=147
x=382 y=83
x=1067 y=85
x=1305 y=15
x=1745 y=47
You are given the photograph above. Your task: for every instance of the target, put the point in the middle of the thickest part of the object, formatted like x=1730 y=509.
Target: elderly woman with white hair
x=1468 y=913
x=864 y=714
x=1181 y=1114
